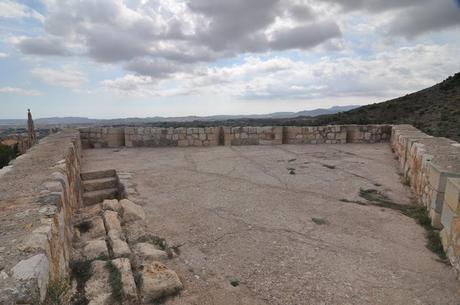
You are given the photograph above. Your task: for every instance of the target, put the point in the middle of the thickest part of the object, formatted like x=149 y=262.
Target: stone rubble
x=115 y=222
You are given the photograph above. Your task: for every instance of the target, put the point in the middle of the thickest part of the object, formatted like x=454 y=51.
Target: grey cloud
x=107 y=31
x=233 y=21
x=435 y=15
x=375 y=5
x=305 y=36
x=42 y=46
x=156 y=68
x=106 y=45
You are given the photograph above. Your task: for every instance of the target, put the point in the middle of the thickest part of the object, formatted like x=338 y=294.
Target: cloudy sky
x=125 y=58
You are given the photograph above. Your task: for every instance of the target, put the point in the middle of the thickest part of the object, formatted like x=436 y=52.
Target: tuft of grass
x=155 y=240
x=84 y=226
x=81 y=272
x=418 y=213
x=115 y=282
x=56 y=291
x=319 y=221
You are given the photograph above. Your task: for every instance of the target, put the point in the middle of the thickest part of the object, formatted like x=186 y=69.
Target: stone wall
x=253 y=135
x=315 y=135
x=38 y=194
x=431 y=167
x=152 y=136
x=101 y=137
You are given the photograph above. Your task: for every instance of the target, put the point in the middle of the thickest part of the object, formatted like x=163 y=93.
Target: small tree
x=6 y=155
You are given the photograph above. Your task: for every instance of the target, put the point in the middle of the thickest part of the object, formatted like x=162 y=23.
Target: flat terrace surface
x=239 y=214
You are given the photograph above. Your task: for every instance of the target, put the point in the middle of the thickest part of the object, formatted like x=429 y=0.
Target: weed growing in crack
x=319 y=221
x=84 y=226
x=115 y=282
x=56 y=291
x=81 y=272
x=155 y=240
x=418 y=213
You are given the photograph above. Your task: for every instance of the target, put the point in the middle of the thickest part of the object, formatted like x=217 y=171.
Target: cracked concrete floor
x=238 y=213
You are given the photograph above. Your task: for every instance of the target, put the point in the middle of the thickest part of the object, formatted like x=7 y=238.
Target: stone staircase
x=99 y=185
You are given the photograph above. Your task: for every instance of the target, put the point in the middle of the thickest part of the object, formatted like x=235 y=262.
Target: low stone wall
x=315 y=135
x=38 y=194
x=368 y=133
x=253 y=135
x=151 y=136
x=431 y=166
x=101 y=137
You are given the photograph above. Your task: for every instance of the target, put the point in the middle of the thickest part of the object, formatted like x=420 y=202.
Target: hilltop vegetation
x=435 y=110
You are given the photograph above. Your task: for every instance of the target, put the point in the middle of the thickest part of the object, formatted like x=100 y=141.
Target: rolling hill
x=434 y=110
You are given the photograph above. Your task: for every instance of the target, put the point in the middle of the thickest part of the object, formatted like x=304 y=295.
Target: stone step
x=100 y=184
x=90 y=198
x=98 y=174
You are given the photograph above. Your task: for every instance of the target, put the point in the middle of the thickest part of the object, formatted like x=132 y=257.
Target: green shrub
x=6 y=155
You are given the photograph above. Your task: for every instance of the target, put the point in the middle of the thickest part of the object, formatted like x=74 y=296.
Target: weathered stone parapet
x=431 y=167
x=253 y=135
x=102 y=137
x=450 y=218
x=213 y=136
x=335 y=134
x=38 y=195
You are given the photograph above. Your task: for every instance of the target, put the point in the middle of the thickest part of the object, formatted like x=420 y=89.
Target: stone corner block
x=131 y=211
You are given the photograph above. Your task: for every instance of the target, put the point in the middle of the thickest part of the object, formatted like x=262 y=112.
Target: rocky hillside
x=435 y=110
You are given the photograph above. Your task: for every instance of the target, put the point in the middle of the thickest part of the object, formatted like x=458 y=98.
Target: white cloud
x=66 y=77
x=12 y=9
x=19 y=91
x=3 y=55
x=386 y=74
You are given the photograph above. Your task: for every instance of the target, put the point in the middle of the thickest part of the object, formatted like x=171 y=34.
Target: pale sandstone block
x=111 y=204
x=158 y=281
x=147 y=251
x=112 y=221
x=452 y=194
x=127 y=279
x=94 y=249
x=131 y=211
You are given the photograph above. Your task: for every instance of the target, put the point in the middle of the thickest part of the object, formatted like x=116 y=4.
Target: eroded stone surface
x=97 y=288
x=119 y=247
x=95 y=249
x=129 y=286
x=112 y=222
x=111 y=204
x=158 y=281
x=131 y=211
x=148 y=251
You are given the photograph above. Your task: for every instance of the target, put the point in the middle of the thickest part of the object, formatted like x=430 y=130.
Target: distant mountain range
x=59 y=121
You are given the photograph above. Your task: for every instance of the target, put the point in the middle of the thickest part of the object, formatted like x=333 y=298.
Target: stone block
x=111 y=221
x=34 y=273
x=127 y=279
x=452 y=194
x=95 y=249
x=446 y=217
x=147 y=251
x=131 y=211
x=119 y=247
x=158 y=281
x=111 y=204
x=97 y=288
